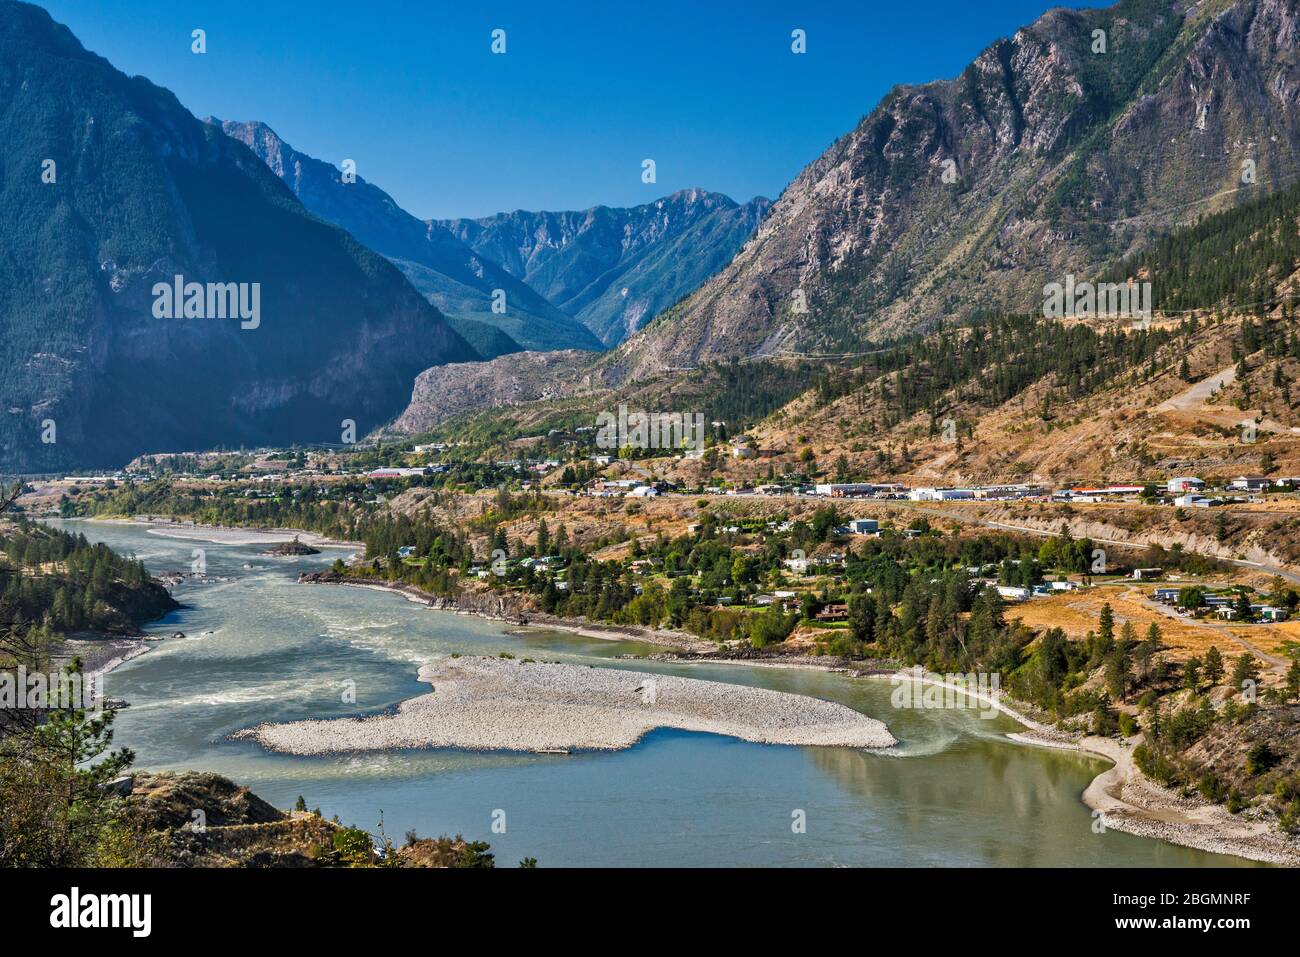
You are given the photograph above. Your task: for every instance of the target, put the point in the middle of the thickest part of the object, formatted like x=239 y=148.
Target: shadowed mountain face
x=136 y=191
x=1074 y=142
x=616 y=269
x=454 y=277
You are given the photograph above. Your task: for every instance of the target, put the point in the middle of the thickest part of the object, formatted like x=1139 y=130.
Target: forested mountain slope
x=141 y=192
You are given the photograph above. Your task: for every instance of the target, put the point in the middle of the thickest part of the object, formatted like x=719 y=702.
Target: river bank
x=482 y=703
x=99 y=656
x=1125 y=799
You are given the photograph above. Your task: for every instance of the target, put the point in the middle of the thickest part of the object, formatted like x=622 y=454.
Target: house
x=1219 y=601
x=1249 y=483
x=1226 y=611
x=1272 y=613
x=834 y=612
x=1166 y=596
x=863 y=526
x=742 y=449
x=1141 y=573
x=1186 y=483
x=1013 y=592
x=1063 y=586
x=797 y=565
x=643 y=491
x=406 y=551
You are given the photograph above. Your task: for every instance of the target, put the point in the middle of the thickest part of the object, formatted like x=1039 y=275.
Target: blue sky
x=707 y=88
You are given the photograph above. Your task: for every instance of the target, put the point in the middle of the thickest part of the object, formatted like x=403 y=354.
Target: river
x=261 y=647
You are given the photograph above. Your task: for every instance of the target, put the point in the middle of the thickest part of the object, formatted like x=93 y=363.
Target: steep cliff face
x=109 y=188
x=616 y=269
x=460 y=282
x=446 y=391
x=1046 y=156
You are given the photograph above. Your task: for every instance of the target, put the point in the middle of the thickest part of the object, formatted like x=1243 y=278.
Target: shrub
x=353 y=845
x=1259 y=759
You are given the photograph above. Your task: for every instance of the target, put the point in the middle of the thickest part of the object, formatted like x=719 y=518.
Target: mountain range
x=455 y=278
x=109 y=191
x=615 y=269
x=571 y=280
x=1072 y=148
x=1063 y=150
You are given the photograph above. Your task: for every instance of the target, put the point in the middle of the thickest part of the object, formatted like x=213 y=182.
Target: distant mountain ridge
x=456 y=279
x=614 y=269
x=142 y=192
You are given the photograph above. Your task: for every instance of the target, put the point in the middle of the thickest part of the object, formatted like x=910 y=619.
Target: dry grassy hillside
x=1146 y=425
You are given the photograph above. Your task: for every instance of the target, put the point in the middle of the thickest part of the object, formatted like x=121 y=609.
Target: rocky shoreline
x=1129 y=801
x=99 y=656
x=502 y=704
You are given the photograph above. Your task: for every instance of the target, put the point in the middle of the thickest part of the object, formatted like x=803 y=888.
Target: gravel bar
x=503 y=704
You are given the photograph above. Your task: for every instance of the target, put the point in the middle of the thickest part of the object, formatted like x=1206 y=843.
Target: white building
x=1186 y=483
x=839 y=489
x=399 y=472
x=1249 y=483
x=940 y=494
x=863 y=526
x=1102 y=492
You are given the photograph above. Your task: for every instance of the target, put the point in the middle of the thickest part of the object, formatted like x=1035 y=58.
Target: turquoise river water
x=261 y=647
